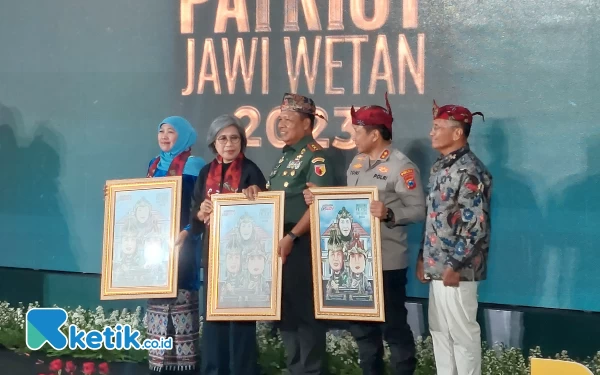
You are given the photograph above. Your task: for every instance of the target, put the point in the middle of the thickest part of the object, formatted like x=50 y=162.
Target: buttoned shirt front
x=301 y=163
x=457 y=228
x=399 y=185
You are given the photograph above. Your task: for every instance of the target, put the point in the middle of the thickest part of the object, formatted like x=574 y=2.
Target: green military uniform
x=301 y=163
x=303 y=336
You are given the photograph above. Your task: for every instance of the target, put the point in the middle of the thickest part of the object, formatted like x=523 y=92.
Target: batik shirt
x=457 y=227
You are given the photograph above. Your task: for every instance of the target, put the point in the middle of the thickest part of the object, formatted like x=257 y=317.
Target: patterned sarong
x=178 y=318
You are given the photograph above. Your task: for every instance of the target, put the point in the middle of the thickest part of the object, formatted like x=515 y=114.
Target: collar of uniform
x=385 y=154
x=451 y=158
x=298 y=145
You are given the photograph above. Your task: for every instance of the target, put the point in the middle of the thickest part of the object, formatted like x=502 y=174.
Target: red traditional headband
x=373 y=115
x=454 y=112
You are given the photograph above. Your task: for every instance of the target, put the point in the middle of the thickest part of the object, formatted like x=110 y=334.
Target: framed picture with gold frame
x=141 y=223
x=346 y=254
x=244 y=268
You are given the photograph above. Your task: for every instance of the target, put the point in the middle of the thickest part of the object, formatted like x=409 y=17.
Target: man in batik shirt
x=456 y=242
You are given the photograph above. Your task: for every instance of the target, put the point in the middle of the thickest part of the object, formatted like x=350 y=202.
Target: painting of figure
x=244 y=270
x=141 y=232
x=141 y=224
x=245 y=266
x=346 y=254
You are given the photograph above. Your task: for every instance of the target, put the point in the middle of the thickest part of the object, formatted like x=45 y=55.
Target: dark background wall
x=83 y=86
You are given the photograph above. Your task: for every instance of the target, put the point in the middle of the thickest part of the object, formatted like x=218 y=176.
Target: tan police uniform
x=399 y=183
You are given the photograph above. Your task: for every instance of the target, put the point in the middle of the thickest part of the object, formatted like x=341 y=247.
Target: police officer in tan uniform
x=401 y=203
x=302 y=162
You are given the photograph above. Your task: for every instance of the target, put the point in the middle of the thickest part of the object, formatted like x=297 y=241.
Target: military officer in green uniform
x=302 y=162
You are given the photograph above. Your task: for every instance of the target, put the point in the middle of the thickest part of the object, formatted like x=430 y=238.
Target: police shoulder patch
x=408 y=175
x=318 y=160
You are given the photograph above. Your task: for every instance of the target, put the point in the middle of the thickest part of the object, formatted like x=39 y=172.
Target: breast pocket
x=381 y=181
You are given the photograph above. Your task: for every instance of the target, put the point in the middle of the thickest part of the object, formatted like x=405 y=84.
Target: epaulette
x=314 y=146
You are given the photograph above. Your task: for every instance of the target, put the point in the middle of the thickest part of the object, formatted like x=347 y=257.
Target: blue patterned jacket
x=457 y=227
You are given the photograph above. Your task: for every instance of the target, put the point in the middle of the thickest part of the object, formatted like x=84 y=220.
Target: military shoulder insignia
x=318 y=160
x=320 y=170
x=384 y=154
x=409 y=178
x=314 y=146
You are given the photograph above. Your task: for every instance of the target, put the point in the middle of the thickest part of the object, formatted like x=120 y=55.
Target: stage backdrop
x=83 y=86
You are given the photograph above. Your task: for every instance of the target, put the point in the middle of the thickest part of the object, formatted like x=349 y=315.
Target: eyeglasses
x=234 y=139
x=437 y=128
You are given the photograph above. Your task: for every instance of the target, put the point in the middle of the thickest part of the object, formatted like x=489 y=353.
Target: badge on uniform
x=383 y=169
x=409 y=178
x=320 y=170
x=294 y=164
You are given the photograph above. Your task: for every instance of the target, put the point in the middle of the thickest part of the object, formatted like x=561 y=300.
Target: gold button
x=285 y=173
x=286 y=184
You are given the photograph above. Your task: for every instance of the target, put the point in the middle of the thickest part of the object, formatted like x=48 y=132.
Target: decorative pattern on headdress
x=455 y=113
x=357 y=245
x=334 y=243
x=343 y=214
x=299 y=103
x=234 y=245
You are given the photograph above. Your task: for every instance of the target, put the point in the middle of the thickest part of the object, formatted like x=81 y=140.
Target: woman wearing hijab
x=230 y=172
x=179 y=317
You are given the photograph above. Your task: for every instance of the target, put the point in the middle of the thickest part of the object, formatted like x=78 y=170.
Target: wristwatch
x=294 y=237
x=390 y=216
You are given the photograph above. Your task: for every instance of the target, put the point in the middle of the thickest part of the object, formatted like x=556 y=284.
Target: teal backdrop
x=83 y=86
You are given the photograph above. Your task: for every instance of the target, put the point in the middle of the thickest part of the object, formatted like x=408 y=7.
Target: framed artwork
x=244 y=271
x=141 y=223
x=346 y=254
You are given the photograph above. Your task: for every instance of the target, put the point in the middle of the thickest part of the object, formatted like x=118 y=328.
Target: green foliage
x=342 y=352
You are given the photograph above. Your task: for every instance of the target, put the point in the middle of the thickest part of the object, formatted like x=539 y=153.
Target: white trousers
x=454 y=328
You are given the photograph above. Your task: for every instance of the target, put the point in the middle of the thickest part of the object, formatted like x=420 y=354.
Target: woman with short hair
x=230 y=172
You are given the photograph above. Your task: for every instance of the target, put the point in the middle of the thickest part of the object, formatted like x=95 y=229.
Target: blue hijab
x=186 y=137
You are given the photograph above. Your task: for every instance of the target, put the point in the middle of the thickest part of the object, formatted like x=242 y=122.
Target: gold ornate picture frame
x=346 y=254
x=244 y=271
x=141 y=223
